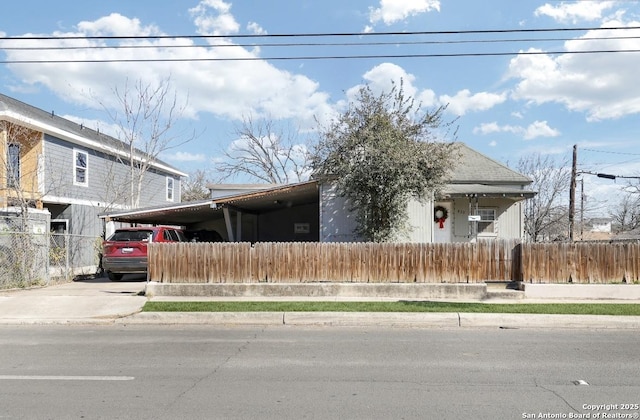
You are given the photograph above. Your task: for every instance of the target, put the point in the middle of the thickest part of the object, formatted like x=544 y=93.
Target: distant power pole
x=572 y=191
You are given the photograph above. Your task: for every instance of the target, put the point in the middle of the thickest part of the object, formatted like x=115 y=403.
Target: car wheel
x=114 y=276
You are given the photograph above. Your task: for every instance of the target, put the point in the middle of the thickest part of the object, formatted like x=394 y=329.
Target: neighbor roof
x=19 y=112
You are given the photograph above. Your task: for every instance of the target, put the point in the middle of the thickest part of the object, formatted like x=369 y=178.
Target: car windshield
x=131 y=235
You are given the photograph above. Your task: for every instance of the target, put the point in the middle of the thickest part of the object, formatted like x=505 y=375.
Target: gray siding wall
x=107 y=178
x=107 y=186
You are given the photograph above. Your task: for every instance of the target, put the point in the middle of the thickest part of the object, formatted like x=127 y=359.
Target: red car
x=125 y=252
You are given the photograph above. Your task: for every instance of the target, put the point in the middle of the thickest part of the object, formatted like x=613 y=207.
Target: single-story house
x=482 y=200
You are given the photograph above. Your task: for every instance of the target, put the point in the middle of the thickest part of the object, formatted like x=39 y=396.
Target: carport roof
x=183 y=214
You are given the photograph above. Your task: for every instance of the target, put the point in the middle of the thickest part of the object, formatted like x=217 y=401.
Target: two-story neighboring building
x=73 y=172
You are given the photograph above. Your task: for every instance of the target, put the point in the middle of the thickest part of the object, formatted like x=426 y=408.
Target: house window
x=13 y=165
x=486 y=225
x=169 y=189
x=80 y=167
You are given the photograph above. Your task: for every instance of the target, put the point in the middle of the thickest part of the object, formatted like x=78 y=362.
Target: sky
x=521 y=77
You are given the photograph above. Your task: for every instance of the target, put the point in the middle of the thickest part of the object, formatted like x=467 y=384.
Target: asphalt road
x=211 y=372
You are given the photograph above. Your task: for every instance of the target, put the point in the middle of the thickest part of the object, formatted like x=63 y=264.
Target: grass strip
x=401 y=306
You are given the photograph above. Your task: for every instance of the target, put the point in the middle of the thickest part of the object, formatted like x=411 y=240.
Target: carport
x=281 y=213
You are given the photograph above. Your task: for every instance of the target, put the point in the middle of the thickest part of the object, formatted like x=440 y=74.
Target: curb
x=385 y=319
x=515 y=321
x=216 y=318
x=57 y=321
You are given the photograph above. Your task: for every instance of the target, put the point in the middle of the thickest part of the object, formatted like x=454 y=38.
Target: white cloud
x=604 y=87
x=493 y=127
x=539 y=129
x=255 y=28
x=382 y=77
x=575 y=12
x=392 y=11
x=186 y=157
x=534 y=130
x=226 y=89
x=221 y=22
x=115 y=24
x=464 y=101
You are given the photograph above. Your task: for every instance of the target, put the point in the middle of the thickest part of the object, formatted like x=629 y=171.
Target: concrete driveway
x=93 y=300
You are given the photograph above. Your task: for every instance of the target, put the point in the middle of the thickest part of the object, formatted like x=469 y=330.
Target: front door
x=442 y=218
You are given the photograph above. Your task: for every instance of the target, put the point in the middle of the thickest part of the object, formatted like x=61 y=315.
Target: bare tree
x=626 y=216
x=146 y=124
x=546 y=214
x=266 y=153
x=195 y=187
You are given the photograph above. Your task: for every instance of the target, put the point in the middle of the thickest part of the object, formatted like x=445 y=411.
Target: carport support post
x=238 y=226
x=227 y=222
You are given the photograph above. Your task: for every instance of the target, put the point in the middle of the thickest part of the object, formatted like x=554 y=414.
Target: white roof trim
x=18 y=118
x=133 y=212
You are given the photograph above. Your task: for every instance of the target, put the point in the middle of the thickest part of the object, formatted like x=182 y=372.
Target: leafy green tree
x=381 y=152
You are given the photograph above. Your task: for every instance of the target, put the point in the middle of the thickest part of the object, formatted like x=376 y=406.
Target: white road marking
x=64 y=378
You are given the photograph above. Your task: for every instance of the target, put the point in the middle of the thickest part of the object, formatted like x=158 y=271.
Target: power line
x=326 y=34
x=317 y=57
x=610 y=152
x=316 y=44
x=9 y=40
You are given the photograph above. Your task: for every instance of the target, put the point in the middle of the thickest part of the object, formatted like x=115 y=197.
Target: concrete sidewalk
x=100 y=301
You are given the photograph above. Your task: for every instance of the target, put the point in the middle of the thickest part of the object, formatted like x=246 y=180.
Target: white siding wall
x=337 y=223
x=420 y=221
x=511 y=221
x=460 y=220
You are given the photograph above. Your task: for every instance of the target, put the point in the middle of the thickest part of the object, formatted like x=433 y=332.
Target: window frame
x=170 y=190
x=486 y=222
x=13 y=168
x=77 y=152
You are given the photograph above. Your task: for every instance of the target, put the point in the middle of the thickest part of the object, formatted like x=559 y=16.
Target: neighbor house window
x=487 y=221
x=169 y=189
x=13 y=165
x=80 y=168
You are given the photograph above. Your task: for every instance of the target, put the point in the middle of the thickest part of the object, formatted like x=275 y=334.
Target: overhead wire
x=318 y=44
x=6 y=40
x=326 y=34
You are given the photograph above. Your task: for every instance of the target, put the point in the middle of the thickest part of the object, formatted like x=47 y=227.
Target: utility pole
x=572 y=191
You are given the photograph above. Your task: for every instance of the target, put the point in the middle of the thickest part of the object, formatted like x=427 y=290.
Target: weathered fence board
x=581 y=262
x=332 y=262
x=401 y=263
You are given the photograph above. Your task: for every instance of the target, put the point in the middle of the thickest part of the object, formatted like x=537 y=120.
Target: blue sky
x=508 y=106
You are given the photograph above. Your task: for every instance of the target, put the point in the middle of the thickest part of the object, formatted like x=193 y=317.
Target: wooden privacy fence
x=403 y=263
x=581 y=262
x=333 y=262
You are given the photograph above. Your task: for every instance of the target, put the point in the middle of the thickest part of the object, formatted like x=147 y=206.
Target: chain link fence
x=35 y=259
